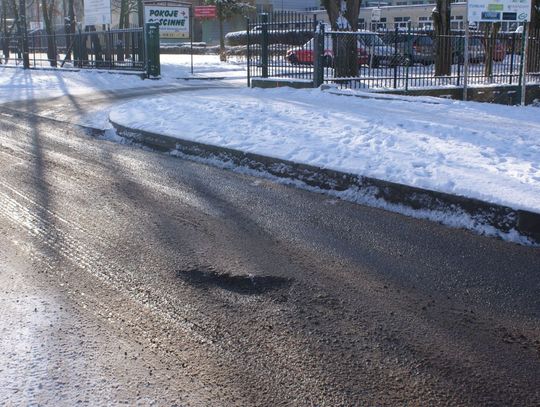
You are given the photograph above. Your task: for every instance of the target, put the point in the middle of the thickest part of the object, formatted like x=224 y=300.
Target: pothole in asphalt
x=247 y=285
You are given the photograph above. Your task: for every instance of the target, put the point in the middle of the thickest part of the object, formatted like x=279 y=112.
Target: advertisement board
x=205 y=12
x=173 y=20
x=97 y=12
x=492 y=11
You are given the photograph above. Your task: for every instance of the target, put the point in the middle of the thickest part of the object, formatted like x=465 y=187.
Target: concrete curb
x=502 y=218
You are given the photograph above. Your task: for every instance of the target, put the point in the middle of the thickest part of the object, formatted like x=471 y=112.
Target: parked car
x=477 y=51
x=499 y=50
x=372 y=50
x=305 y=55
x=415 y=48
x=378 y=52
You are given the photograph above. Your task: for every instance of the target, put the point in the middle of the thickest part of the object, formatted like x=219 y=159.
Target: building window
x=401 y=22
x=425 y=23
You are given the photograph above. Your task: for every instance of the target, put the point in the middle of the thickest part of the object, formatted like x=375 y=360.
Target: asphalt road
x=198 y=286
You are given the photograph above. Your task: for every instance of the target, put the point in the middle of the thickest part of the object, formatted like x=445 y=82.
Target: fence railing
x=398 y=59
x=114 y=49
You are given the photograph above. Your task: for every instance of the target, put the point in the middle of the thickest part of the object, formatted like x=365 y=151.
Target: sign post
x=151 y=40
x=201 y=12
x=466 y=56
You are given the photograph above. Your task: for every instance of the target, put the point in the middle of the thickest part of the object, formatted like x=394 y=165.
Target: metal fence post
x=151 y=39
x=318 y=51
x=466 y=58
x=408 y=55
x=248 y=56
x=395 y=61
x=523 y=70
x=512 y=57
x=264 y=45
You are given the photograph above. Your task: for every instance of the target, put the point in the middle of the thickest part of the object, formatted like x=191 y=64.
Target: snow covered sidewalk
x=18 y=84
x=483 y=151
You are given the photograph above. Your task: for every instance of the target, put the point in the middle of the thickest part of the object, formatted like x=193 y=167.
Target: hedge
x=288 y=37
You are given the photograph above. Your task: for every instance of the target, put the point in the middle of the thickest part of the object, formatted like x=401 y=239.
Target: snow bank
x=484 y=151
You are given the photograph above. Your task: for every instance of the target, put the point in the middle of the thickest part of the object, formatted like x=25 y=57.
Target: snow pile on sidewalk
x=484 y=151
x=19 y=84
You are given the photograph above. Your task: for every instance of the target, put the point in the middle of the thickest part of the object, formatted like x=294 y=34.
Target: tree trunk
x=533 y=54
x=443 y=41
x=123 y=11
x=140 y=12
x=351 y=14
x=140 y=9
x=344 y=46
x=19 y=30
x=70 y=28
x=6 y=33
x=490 y=40
x=127 y=38
x=222 y=51
x=47 y=10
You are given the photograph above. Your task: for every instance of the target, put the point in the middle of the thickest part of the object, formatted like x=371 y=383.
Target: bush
x=288 y=37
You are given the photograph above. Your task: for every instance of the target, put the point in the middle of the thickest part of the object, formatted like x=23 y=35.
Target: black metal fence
x=400 y=58
x=113 y=49
x=271 y=36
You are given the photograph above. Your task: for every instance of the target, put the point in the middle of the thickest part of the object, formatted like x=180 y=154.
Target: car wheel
x=327 y=61
x=293 y=59
x=457 y=59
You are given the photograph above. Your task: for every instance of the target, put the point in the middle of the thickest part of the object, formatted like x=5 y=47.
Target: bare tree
x=69 y=26
x=533 y=55
x=125 y=8
x=443 y=41
x=226 y=9
x=490 y=40
x=47 y=8
x=6 y=27
x=343 y=16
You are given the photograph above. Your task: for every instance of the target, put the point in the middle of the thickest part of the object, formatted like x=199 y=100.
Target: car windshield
x=426 y=41
x=371 y=40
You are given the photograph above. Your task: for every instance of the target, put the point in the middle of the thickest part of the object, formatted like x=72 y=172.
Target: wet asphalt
x=259 y=293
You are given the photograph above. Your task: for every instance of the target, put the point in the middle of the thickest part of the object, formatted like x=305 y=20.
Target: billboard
x=173 y=20
x=205 y=12
x=493 y=11
x=97 y=12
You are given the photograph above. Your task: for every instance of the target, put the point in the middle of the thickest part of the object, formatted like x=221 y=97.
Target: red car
x=304 y=54
x=499 y=51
